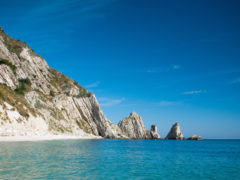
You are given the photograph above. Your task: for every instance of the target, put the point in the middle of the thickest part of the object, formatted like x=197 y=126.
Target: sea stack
x=175 y=132
x=133 y=126
x=154 y=133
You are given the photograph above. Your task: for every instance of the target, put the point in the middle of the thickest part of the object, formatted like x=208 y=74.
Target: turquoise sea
x=121 y=159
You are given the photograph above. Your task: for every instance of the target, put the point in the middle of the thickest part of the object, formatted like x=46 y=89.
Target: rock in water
x=133 y=127
x=194 y=137
x=154 y=133
x=175 y=132
x=36 y=99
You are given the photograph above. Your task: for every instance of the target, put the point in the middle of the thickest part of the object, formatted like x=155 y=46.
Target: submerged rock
x=194 y=137
x=175 y=132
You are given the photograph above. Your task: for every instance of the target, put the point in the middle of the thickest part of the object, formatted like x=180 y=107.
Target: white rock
x=133 y=126
x=175 y=132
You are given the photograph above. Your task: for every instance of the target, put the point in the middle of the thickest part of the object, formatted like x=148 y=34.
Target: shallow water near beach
x=120 y=159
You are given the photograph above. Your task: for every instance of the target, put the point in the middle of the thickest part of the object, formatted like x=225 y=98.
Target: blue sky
x=170 y=61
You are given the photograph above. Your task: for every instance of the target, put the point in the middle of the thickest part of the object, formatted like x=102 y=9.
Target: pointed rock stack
x=175 y=132
x=133 y=126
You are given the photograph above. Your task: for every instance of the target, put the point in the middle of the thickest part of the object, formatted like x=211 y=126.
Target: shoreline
x=45 y=138
x=72 y=137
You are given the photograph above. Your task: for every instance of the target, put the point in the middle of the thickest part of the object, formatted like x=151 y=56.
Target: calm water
x=121 y=159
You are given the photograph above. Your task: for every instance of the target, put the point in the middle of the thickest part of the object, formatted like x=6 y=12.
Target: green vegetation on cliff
x=23 y=84
x=15 y=100
x=8 y=63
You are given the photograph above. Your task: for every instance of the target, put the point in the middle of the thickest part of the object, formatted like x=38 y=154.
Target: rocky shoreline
x=36 y=100
x=133 y=128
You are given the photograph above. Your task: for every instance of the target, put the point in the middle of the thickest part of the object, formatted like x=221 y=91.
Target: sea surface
x=121 y=159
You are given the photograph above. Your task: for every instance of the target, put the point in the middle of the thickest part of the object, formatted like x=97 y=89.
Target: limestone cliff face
x=36 y=99
x=133 y=128
x=175 y=132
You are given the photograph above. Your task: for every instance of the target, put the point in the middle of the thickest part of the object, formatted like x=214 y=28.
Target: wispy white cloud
x=235 y=81
x=52 y=14
x=93 y=85
x=151 y=71
x=110 y=102
x=169 y=103
x=55 y=11
x=160 y=70
x=194 y=92
x=176 y=67
x=59 y=9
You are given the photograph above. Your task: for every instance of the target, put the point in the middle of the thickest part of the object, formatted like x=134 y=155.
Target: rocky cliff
x=133 y=128
x=175 y=132
x=36 y=99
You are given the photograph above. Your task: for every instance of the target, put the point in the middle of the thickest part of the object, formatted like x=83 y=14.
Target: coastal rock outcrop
x=36 y=99
x=175 y=132
x=154 y=133
x=194 y=137
x=133 y=128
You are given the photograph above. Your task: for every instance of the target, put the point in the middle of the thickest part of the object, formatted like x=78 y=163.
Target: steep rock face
x=133 y=128
x=36 y=99
x=175 y=132
x=154 y=133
